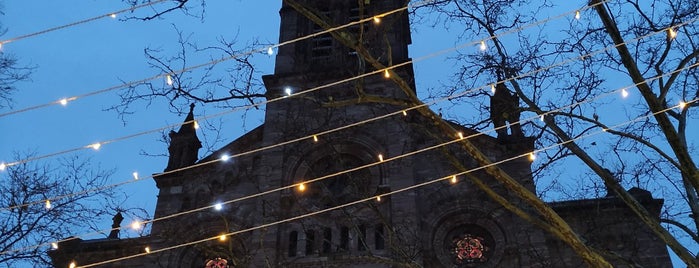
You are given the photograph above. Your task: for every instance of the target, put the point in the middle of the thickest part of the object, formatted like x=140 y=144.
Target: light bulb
x=483 y=46
x=135 y=175
x=113 y=15
x=63 y=101
x=147 y=249
x=72 y=264
x=532 y=156
x=682 y=105
x=377 y=20
x=461 y=135
x=3 y=166
x=270 y=51
x=380 y=158
x=136 y=225
x=54 y=245
x=541 y=118
x=671 y=33
x=315 y=138
x=453 y=179
x=492 y=88
x=378 y=198
x=624 y=93
x=218 y=206
x=405 y=113
x=168 y=80
x=225 y=157
x=577 y=14
x=287 y=90
x=95 y=146
x=196 y=125
x=386 y=73
x=222 y=237
x=302 y=187
x=47 y=204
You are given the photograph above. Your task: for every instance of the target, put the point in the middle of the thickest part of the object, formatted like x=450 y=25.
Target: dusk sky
x=109 y=51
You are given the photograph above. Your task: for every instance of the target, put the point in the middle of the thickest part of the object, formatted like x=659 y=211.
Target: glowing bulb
x=63 y=101
x=541 y=118
x=270 y=51
x=168 y=80
x=113 y=15
x=0 y=45
x=136 y=225
x=492 y=88
x=47 y=204
x=225 y=157
x=672 y=33
x=72 y=265
x=682 y=105
x=287 y=90
x=453 y=179
x=315 y=138
x=135 y=175
x=377 y=20
x=222 y=237
x=380 y=158
x=3 y=166
x=386 y=73
x=378 y=198
x=95 y=146
x=461 y=135
x=196 y=125
x=604 y=129
x=624 y=93
x=302 y=187
x=218 y=206
x=54 y=245
x=147 y=249
x=405 y=113
x=483 y=46
x=577 y=15
x=532 y=156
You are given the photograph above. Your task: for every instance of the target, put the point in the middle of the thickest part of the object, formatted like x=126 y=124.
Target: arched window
x=310 y=242
x=293 y=240
x=361 y=241
x=344 y=238
x=327 y=240
x=379 y=237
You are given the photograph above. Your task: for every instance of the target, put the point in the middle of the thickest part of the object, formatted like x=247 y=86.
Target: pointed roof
x=188 y=126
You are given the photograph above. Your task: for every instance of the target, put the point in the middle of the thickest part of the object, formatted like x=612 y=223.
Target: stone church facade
x=346 y=197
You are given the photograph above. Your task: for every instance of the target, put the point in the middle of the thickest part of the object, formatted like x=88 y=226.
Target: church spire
x=184 y=144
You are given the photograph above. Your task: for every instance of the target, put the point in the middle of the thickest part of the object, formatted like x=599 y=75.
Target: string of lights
x=301 y=185
x=98 y=145
x=624 y=93
x=168 y=76
x=450 y=178
x=76 y=23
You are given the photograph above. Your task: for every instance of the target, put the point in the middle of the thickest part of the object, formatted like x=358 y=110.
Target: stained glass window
x=468 y=248
x=217 y=263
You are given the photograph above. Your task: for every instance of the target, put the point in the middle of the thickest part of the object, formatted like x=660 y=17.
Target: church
x=345 y=172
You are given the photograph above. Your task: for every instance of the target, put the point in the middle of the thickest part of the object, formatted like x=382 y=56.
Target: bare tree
x=650 y=46
x=11 y=72
x=27 y=220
